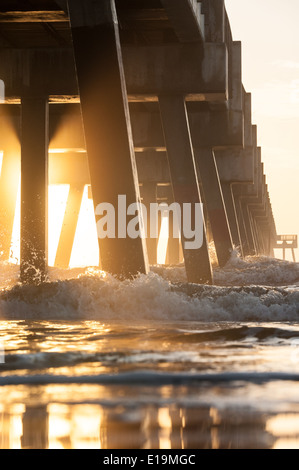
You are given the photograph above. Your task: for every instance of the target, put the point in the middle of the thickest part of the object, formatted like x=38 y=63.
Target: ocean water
x=92 y=362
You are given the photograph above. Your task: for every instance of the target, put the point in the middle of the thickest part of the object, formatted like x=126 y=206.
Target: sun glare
x=58 y=195
x=1 y=160
x=85 y=249
x=163 y=241
x=14 y=257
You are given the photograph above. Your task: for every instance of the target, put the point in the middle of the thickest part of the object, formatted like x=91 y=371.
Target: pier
x=156 y=109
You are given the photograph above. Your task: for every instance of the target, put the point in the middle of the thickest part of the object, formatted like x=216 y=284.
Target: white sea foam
x=9 y=274
x=257 y=270
x=238 y=272
x=96 y=295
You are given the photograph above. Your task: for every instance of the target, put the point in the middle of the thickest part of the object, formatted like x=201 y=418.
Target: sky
x=269 y=33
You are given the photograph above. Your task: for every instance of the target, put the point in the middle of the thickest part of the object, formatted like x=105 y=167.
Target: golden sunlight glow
x=216 y=418
x=15 y=240
x=64 y=150
x=284 y=425
x=75 y=427
x=58 y=195
x=285 y=444
x=215 y=439
x=11 y=428
x=59 y=426
x=86 y=249
x=1 y=160
x=16 y=426
x=286 y=428
x=163 y=241
x=165 y=424
x=86 y=425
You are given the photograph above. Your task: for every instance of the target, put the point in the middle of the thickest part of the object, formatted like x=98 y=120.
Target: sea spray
x=98 y=296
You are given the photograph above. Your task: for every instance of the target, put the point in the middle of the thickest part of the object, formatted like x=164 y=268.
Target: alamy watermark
x=134 y=221
x=2 y=91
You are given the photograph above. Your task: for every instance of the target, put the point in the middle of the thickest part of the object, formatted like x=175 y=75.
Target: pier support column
x=259 y=242
x=34 y=189
x=253 y=231
x=265 y=242
x=210 y=181
x=149 y=196
x=248 y=228
x=173 y=246
x=107 y=126
x=184 y=180
x=241 y=223
x=231 y=215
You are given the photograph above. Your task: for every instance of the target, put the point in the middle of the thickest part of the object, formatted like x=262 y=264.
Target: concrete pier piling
x=146 y=103
x=173 y=248
x=210 y=181
x=231 y=211
x=107 y=125
x=34 y=188
x=184 y=180
x=149 y=196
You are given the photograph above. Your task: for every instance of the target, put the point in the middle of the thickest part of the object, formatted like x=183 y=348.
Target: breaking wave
x=150 y=378
x=238 y=272
x=163 y=295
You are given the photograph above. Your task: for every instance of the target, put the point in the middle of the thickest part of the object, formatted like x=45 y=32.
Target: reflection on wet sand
x=61 y=426
x=130 y=397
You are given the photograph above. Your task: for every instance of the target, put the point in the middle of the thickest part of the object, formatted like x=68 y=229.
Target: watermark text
x=138 y=221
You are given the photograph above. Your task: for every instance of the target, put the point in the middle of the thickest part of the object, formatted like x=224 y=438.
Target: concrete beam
x=223 y=128
x=152 y=71
x=248 y=136
x=232 y=166
x=149 y=71
x=72 y=167
x=153 y=167
x=186 y=19
x=236 y=166
x=214 y=12
x=217 y=129
x=50 y=71
x=235 y=71
x=252 y=190
x=209 y=129
x=147 y=127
